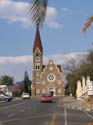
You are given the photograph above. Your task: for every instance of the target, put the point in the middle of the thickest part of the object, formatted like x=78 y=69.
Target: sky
x=61 y=33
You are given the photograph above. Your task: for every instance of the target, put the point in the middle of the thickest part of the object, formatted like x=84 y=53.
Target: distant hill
x=21 y=83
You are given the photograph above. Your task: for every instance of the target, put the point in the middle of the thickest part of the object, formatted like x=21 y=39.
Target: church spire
x=37 y=42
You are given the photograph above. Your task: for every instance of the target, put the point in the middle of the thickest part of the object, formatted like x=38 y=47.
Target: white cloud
x=19 y=12
x=15 y=12
x=66 y=9
x=65 y=12
x=51 y=18
x=55 y=25
x=16 y=66
x=58 y=58
x=65 y=58
x=15 y=60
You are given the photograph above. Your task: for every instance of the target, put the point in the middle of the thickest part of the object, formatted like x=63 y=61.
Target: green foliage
x=38 y=10
x=7 y=80
x=90 y=56
x=73 y=91
x=85 y=69
x=27 y=83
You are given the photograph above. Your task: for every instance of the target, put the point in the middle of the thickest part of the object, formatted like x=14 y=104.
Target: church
x=45 y=78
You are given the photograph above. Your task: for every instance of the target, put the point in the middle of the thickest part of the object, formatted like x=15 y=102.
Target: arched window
x=37 y=67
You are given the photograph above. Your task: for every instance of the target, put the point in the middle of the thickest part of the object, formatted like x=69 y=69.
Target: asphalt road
x=33 y=112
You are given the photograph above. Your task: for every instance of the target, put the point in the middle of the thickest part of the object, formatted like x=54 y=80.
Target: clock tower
x=45 y=78
x=37 y=62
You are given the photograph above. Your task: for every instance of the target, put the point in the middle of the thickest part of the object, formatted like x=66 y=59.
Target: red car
x=46 y=97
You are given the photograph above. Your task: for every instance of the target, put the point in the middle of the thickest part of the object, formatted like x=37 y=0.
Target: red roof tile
x=59 y=66
x=37 y=42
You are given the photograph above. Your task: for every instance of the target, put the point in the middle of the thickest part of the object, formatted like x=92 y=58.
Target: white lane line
x=65 y=113
x=23 y=118
x=22 y=110
x=11 y=115
x=11 y=106
x=90 y=116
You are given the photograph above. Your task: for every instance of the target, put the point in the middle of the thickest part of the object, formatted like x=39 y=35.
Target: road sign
x=90 y=87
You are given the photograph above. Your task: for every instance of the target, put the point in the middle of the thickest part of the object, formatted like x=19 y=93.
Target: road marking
x=22 y=110
x=90 y=116
x=60 y=102
x=23 y=118
x=11 y=115
x=53 y=119
x=65 y=113
x=11 y=106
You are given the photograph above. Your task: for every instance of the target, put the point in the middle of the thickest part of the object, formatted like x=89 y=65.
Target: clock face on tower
x=37 y=58
x=51 y=77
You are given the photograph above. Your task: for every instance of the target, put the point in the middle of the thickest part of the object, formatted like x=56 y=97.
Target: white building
x=5 y=89
x=84 y=88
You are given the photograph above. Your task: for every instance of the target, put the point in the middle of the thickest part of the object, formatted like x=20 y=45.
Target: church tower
x=37 y=62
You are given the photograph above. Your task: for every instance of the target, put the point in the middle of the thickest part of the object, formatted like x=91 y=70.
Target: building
x=84 y=88
x=5 y=89
x=45 y=78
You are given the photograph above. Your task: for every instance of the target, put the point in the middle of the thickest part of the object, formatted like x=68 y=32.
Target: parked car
x=25 y=95
x=6 y=98
x=46 y=97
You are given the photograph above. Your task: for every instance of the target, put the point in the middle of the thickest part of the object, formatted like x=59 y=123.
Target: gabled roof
x=58 y=66
x=44 y=66
x=60 y=69
x=37 y=42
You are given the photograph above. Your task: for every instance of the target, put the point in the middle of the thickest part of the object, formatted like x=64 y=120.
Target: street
x=33 y=112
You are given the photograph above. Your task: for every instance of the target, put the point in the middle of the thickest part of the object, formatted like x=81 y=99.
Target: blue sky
x=61 y=33
x=17 y=38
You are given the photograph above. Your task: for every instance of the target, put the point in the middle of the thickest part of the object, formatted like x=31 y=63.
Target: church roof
x=59 y=66
x=37 y=42
x=43 y=67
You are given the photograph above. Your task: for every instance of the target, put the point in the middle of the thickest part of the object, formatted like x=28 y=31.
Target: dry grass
x=88 y=100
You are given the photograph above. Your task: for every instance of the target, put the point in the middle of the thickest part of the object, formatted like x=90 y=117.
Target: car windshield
x=46 y=94
x=25 y=94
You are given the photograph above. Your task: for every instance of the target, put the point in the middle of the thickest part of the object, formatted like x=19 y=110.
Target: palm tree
x=87 y=24
x=38 y=10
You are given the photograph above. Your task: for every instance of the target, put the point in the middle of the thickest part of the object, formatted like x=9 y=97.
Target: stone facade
x=45 y=78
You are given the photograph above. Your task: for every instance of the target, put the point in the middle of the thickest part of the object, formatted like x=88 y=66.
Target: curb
x=78 y=108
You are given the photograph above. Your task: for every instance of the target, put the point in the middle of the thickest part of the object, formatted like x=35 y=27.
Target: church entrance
x=52 y=90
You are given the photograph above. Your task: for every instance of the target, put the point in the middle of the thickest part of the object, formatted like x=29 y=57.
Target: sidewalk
x=72 y=103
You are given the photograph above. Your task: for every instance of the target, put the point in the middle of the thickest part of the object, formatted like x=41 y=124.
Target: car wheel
x=7 y=100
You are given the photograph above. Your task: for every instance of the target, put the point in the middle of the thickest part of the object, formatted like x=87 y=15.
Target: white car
x=6 y=98
x=25 y=95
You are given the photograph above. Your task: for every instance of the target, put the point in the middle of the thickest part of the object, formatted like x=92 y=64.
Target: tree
x=7 y=80
x=71 y=76
x=38 y=10
x=87 y=24
x=85 y=69
x=90 y=56
x=27 y=83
